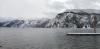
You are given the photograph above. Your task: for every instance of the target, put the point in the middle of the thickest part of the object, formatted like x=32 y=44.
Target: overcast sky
x=33 y=9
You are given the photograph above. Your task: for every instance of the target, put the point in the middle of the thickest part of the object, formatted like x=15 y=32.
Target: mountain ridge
x=77 y=18
x=70 y=18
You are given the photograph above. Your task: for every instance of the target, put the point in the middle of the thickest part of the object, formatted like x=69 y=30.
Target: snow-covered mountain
x=24 y=23
x=71 y=18
x=75 y=18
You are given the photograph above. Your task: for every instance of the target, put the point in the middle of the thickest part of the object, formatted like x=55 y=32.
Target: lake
x=45 y=38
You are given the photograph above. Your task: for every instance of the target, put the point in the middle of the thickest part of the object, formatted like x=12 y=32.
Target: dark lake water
x=45 y=38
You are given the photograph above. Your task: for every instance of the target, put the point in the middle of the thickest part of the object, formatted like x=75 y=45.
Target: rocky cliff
x=75 y=18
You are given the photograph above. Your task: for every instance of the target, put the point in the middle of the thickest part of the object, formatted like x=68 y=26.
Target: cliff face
x=75 y=19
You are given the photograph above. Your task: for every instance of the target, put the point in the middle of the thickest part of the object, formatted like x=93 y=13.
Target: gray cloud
x=83 y=4
x=57 y=5
x=42 y=8
x=26 y=8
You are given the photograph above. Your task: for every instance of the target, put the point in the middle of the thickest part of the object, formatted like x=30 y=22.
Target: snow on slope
x=24 y=23
x=74 y=18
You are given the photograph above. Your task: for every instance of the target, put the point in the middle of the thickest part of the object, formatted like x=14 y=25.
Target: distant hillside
x=25 y=23
x=75 y=18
